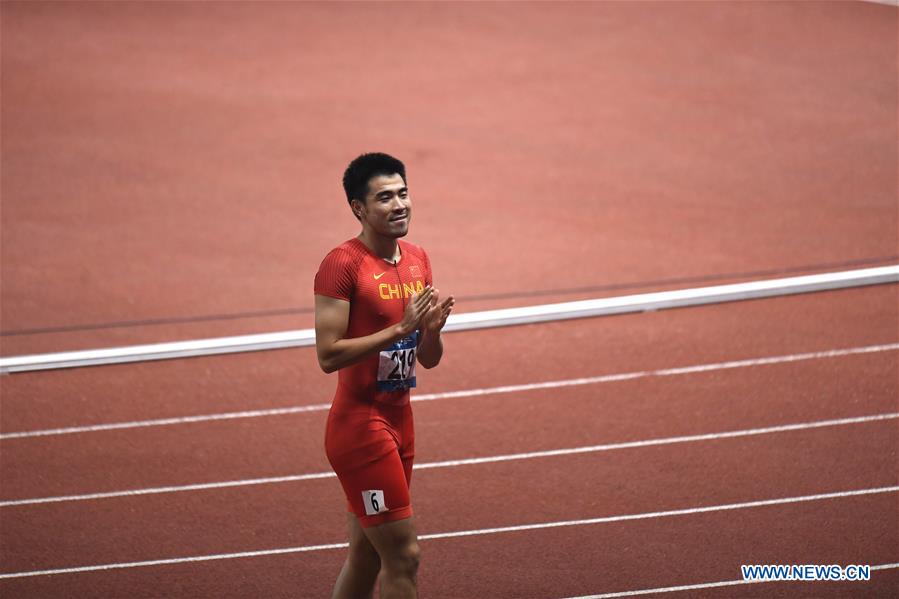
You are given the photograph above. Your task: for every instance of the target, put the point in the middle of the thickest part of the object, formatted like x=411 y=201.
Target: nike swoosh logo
x=379 y=276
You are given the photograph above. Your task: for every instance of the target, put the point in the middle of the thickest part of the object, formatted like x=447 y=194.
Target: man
x=376 y=313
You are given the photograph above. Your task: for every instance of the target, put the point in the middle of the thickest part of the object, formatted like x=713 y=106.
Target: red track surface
x=611 y=483
x=165 y=161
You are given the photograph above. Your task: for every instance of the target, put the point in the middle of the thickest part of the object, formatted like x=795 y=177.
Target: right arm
x=332 y=318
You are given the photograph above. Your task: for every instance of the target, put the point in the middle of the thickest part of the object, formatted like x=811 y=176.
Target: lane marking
x=833 y=353
x=703 y=585
x=609 y=378
x=467 y=461
x=663 y=441
x=94 y=428
x=468 y=533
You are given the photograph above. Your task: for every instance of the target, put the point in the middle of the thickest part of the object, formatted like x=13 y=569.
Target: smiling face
x=387 y=208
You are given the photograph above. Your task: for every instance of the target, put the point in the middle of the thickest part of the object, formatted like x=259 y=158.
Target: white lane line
x=608 y=378
x=833 y=353
x=468 y=461
x=176 y=560
x=664 y=441
x=703 y=585
x=663 y=514
x=171 y=489
x=166 y=421
x=470 y=533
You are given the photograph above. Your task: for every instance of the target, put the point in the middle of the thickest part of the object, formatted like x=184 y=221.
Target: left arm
x=430 y=348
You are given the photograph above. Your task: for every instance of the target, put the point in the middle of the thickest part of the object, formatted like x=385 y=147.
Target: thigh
x=373 y=475
x=407 y=470
x=366 y=450
x=378 y=490
x=407 y=446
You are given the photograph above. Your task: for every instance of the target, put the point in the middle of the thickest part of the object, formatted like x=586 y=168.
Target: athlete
x=376 y=315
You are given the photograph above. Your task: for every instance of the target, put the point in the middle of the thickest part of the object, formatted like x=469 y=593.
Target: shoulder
x=346 y=255
x=339 y=271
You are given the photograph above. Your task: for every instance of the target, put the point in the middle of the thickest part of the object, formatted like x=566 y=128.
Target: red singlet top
x=378 y=292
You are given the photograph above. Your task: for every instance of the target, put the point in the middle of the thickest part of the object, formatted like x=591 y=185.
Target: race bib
x=396 y=365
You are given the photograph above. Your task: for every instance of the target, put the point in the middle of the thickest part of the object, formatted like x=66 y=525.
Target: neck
x=384 y=247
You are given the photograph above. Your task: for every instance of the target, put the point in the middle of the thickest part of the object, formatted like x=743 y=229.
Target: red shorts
x=371 y=446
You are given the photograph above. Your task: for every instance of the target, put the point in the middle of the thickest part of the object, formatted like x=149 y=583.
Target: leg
x=397 y=544
x=360 y=570
x=375 y=478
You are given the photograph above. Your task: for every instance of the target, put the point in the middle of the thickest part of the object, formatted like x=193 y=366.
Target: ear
x=357 y=208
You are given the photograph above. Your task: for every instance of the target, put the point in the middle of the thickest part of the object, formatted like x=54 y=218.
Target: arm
x=430 y=348
x=332 y=318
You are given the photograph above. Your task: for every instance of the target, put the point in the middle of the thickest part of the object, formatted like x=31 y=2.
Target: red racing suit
x=370 y=437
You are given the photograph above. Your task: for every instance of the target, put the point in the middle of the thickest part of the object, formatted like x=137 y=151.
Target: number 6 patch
x=374 y=502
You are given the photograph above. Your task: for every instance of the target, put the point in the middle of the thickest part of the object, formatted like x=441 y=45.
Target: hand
x=437 y=313
x=418 y=307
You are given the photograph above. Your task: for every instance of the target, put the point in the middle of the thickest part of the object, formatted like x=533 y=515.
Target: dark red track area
x=616 y=482
x=480 y=496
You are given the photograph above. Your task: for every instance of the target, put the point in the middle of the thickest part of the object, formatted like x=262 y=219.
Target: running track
x=642 y=458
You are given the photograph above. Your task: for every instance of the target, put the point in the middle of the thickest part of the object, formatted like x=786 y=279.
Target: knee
x=412 y=555
x=405 y=561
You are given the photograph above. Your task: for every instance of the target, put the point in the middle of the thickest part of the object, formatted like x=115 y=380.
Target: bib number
x=396 y=365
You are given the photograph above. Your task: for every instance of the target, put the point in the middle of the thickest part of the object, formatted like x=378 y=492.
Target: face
x=387 y=209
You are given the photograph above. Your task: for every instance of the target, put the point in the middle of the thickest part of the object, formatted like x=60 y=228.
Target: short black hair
x=363 y=168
